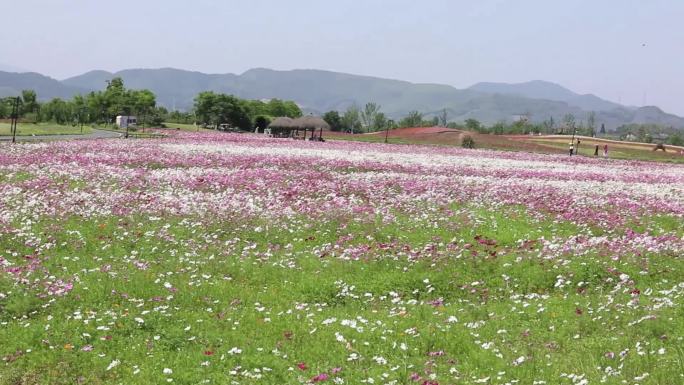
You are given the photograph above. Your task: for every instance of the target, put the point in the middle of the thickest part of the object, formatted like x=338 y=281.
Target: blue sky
x=623 y=50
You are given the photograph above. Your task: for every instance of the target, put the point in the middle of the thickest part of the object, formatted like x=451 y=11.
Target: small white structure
x=123 y=121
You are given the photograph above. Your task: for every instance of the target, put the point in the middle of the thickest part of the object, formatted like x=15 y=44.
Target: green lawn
x=620 y=151
x=185 y=127
x=44 y=129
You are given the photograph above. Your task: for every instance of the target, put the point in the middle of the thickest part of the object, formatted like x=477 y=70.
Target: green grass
x=273 y=294
x=534 y=145
x=44 y=129
x=617 y=151
x=185 y=127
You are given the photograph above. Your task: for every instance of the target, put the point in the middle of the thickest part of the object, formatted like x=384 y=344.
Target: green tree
x=548 y=125
x=277 y=107
x=380 y=121
x=443 y=116
x=29 y=101
x=568 y=124
x=256 y=108
x=352 y=119
x=261 y=122
x=413 y=119
x=117 y=102
x=143 y=102
x=5 y=108
x=642 y=134
x=334 y=119
x=603 y=129
x=98 y=107
x=473 y=124
x=591 y=124
x=58 y=111
x=676 y=139
x=368 y=115
x=499 y=128
x=205 y=108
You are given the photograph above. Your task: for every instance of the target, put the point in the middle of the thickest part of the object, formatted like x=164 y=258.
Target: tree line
x=97 y=107
x=215 y=110
x=370 y=118
x=101 y=108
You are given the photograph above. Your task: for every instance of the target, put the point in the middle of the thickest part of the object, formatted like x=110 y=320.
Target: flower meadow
x=237 y=259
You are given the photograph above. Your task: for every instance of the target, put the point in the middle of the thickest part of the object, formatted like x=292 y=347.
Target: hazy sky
x=631 y=51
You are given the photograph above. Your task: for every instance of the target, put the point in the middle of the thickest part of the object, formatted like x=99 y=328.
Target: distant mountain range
x=319 y=91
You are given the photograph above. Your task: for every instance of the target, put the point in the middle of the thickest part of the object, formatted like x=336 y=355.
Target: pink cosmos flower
x=320 y=377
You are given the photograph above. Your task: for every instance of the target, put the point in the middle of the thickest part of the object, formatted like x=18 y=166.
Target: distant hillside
x=539 y=89
x=314 y=90
x=319 y=91
x=11 y=84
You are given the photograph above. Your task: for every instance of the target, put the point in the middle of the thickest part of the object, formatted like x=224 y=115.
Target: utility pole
x=126 y=113
x=574 y=129
x=15 y=118
x=80 y=118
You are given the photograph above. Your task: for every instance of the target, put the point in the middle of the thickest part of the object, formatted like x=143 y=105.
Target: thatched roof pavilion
x=282 y=122
x=284 y=127
x=311 y=123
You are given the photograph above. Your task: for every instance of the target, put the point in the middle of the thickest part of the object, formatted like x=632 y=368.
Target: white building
x=123 y=121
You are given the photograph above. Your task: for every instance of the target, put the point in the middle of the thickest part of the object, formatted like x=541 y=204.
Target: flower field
x=236 y=259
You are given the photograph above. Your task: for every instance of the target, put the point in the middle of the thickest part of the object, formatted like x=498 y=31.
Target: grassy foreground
x=44 y=129
x=191 y=301
x=216 y=258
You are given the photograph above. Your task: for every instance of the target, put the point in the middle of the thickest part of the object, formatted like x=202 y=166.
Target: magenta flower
x=320 y=377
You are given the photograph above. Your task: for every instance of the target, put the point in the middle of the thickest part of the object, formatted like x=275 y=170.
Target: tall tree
x=380 y=121
x=29 y=101
x=591 y=124
x=368 y=115
x=413 y=119
x=568 y=123
x=352 y=119
x=443 y=118
x=261 y=122
x=143 y=102
x=473 y=124
x=334 y=119
x=603 y=129
x=277 y=107
x=205 y=103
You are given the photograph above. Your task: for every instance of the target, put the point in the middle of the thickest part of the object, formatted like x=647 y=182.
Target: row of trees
x=371 y=119
x=523 y=126
x=650 y=133
x=102 y=107
x=95 y=107
x=214 y=110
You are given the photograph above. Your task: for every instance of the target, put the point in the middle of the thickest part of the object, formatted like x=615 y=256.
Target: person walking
x=596 y=150
x=572 y=148
x=605 y=150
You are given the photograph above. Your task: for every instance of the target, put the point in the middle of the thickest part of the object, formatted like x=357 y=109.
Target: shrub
x=468 y=142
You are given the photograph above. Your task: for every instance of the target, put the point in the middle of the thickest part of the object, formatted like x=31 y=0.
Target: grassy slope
x=616 y=149
x=44 y=129
x=549 y=145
